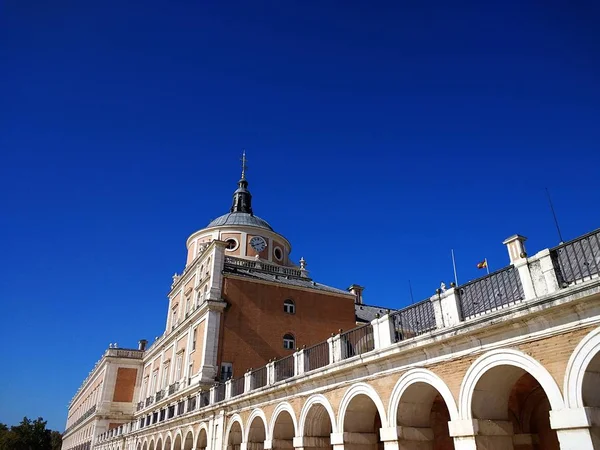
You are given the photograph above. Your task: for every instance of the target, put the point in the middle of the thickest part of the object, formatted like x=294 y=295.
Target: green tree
x=29 y=435
x=55 y=440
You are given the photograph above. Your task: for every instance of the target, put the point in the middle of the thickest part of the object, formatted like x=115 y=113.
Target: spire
x=244 y=165
x=242 y=199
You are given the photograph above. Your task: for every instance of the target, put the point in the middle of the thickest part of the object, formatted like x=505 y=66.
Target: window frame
x=287 y=339
x=290 y=304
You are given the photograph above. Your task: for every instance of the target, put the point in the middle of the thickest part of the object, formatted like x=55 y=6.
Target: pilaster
x=449 y=308
x=270 y=373
x=247 y=381
x=299 y=359
x=335 y=348
x=383 y=331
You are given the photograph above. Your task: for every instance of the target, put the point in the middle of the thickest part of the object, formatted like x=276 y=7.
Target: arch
x=168 y=441
x=151 y=446
x=178 y=440
x=159 y=442
x=188 y=441
x=423 y=376
x=354 y=391
x=254 y=431
x=511 y=358
x=289 y=306
x=288 y=425
x=233 y=437
x=313 y=401
x=289 y=341
x=582 y=359
x=202 y=437
x=145 y=444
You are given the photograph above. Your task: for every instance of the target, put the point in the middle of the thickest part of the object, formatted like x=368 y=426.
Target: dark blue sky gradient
x=380 y=136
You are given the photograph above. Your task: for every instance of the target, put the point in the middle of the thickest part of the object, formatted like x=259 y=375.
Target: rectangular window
x=194 y=332
x=165 y=376
x=178 y=367
x=191 y=370
x=145 y=389
x=226 y=371
x=153 y=385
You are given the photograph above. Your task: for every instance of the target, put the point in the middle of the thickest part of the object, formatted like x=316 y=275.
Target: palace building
x=239 y=302
x=248 y=360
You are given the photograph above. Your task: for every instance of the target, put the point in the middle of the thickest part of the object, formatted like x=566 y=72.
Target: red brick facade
x=254 y=321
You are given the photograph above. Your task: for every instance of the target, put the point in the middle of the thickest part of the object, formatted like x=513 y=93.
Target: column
x=270 y=373
x=383 y=331
x=476 y=434
x=577 y=428
x=299 y=362
x=518 y=257
x=449 y=308
x=248 y=381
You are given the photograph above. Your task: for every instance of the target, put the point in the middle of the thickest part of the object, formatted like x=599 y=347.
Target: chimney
x=516 y=247
x=357 y=291
x=142 y=344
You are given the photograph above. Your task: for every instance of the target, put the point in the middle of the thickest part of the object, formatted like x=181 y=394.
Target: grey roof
x=282 y=279
x=240 y=218
x=366 y=313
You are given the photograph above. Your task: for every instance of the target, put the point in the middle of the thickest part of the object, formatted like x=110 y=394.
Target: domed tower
x=241 y=301
x=245 y=235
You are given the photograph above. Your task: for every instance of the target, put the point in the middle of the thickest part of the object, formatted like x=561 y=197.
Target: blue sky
x=379 y=136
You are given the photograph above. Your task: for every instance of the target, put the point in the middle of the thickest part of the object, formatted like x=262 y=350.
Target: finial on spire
x=244 y=164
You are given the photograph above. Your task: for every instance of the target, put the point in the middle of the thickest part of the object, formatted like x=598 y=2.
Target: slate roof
x=366 y=313
x=240 y=218
x=282 y=279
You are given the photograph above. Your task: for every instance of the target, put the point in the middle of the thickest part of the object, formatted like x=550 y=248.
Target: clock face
x=258 y=243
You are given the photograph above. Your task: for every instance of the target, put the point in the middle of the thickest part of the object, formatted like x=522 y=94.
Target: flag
x=482 y=264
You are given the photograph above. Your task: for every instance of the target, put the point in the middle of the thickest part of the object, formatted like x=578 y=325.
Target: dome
x=240 y=218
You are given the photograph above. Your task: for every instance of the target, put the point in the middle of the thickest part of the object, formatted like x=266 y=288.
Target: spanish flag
x=482 y=264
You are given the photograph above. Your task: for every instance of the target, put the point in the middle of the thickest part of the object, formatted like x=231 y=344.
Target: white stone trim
x=576 y=367
x=179 y=435
x=284 y=406
x=256 y=413
x=237 y=244
x=509 y=357
x=188 y=430
x=203 y=426
x=353 y=391
x=419 y=376
x=316 y=399
x=233 y=419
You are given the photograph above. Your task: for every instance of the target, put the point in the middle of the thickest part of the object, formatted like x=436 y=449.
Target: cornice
x=297 y=288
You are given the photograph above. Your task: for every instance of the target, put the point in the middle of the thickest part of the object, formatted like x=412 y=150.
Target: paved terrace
x=447 y=345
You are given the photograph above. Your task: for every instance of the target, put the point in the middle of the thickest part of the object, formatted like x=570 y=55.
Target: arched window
x=289 y=307
x=289 y=341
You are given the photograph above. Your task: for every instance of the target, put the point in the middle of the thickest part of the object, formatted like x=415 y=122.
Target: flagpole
x=487 y=266
x=454 y=266
x=412 y=300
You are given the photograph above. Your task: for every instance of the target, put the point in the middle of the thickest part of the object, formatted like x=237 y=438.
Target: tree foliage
x=29 y=435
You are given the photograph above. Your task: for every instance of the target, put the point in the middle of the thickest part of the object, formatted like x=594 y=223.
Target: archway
x=317 y=423
x=361 y=418
x=177 y=442
x=421 y=406
x=256 y=431
x=151 y=447
x=235 y=434
x=188 y=443
x=145 y=446
x=582 y=379
x=511 y=395
x=159 y=444
x=202 y=440
x=168 y=443
x=283 y=427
